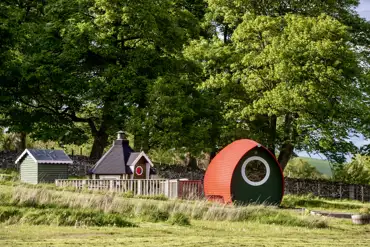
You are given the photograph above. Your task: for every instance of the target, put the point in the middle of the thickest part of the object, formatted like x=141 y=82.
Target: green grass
x=199 y=234
x=60 y=217
x=321 y=166
x=31 y=213
x=318 y=203
x=148 y=210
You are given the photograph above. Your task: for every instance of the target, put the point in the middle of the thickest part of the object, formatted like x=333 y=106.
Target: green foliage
x=286 y=73
x=355 y=172
x=364 y=210
x=312 y=202
x=298 y=168
x=290 y=74
x=179 y=219
x=321 y=165
x=61 y=217
x=97 y=63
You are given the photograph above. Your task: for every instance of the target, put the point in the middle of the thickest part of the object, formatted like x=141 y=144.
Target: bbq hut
x=244 y=172
x=43 y=166
x=122 y=162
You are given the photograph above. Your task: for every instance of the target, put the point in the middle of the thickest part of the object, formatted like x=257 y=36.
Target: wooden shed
x=43 y=166
x=244 y=172
x=122 y=162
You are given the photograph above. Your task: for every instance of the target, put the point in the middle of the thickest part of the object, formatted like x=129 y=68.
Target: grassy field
x=27 y=219
x=200 y=233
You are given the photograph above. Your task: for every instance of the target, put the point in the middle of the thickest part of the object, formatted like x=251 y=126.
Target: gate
x=190 y=189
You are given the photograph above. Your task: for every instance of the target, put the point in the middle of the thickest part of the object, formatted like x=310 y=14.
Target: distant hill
x=322 y=166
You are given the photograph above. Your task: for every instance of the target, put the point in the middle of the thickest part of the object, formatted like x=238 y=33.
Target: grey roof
x=46 y=156
x=114 y=161
x=118 y=159
x=132 y=158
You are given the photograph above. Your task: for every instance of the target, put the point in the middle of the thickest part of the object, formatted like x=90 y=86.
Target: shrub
x=364 y=211
x=61 y=217
x=179 y=219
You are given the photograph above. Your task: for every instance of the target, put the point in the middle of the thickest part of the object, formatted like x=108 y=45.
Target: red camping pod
x=244 y=172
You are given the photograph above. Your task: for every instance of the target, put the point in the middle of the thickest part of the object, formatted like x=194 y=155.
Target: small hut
x=43 y=166
x=244 y=172
x=121 y=162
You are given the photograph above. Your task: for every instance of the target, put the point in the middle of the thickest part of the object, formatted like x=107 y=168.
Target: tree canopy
x=191 y=74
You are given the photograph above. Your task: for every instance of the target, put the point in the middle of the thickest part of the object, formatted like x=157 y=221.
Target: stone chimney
x=120 y=135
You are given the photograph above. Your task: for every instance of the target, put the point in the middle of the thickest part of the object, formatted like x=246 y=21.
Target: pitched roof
x=46 y=156
x=136 y=157
x=114 y=161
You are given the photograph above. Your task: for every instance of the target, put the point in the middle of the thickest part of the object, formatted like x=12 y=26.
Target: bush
x=61 y=217
x=364 y=211
x=179 y=219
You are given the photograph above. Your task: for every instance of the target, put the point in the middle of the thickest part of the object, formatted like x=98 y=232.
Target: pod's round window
x=255 y=171
x=139 y=170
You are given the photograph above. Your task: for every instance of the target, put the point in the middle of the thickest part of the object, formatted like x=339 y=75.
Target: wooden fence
x=193 y=189
x=151 y=187
x=190 y=189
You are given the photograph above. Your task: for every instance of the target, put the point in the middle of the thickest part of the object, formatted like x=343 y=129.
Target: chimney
x=120 y=135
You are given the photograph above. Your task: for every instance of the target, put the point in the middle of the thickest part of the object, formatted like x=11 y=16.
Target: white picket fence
x=149 y=187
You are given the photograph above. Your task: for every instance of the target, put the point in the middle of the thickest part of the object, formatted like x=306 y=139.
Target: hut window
x=139 y=170
x=255 y=171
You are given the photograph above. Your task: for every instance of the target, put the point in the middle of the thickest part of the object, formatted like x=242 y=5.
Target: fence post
x=167 y=188
x=362 y=193
x=138 y=186
x=318 y=189
x=111 y=185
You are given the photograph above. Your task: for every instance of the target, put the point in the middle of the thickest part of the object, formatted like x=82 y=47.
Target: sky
x=364 y=11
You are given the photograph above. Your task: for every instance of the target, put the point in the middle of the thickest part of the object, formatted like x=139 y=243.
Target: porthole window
x=255 y=171
x=139 y=170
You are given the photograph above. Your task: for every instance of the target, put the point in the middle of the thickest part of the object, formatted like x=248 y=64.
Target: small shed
x=244 y=172
x=43 y=166
x=122 y=162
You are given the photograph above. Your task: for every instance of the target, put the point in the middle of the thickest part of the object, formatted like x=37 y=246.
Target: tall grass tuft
x=61 y=217
x=156 y=210
x=179 y=219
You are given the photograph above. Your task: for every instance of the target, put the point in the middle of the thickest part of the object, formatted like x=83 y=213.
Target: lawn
x=27 y=213
x=200 y=233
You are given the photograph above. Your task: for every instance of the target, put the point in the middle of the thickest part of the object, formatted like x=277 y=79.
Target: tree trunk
x=190 y=161
x=272 y=134
x=287 y=147
x=285 y=154
x=21 y=141
x=100 y=142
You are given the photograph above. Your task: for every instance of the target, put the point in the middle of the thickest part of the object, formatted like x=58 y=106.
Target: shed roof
x=46 y=156
x=118 y=159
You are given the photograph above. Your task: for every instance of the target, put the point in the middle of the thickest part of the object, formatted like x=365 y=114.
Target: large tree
x=89 y=63
x=286 y=74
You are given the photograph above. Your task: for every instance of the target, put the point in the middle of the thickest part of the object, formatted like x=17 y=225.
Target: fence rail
x=148 y=187
x=193 y=189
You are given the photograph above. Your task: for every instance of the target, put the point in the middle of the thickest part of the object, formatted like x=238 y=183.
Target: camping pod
x=244 y=172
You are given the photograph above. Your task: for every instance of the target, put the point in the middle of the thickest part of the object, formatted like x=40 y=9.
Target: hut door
x=140 y=170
